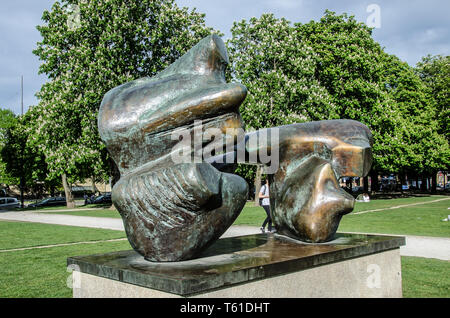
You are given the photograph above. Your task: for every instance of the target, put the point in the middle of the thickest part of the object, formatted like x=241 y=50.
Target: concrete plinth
x=269 y=266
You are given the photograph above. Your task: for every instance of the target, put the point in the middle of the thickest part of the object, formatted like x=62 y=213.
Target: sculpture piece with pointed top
x=171 y=211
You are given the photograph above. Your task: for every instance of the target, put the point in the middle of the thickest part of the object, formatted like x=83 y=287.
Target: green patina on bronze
x=174 y=211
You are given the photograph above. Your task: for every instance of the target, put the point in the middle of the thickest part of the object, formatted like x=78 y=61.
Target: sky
x=409 y=29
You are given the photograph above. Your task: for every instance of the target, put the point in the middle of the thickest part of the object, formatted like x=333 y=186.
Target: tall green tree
x=354 y=70
x=278 y=71
x=23 y=162
x=425 y=148
x=434 y=71
x=7 y=120
x=334 y=69
x=89 y=47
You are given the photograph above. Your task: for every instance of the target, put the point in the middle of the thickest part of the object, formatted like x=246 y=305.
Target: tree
x=23 y=162
x=7 y=120
x=278 y=72
x=333 y=69
x=434 y=71
x=317 y=71
x=355 y=72
x=88 y=48
x=428 y=144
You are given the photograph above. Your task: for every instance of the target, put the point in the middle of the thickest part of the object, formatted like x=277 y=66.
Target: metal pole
x=22 y=94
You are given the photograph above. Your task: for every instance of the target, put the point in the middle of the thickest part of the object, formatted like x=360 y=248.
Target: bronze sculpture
x=173 y=210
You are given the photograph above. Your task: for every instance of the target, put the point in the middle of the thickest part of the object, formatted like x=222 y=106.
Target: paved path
x=73 y=220
x=428 y=247
x=423 y=246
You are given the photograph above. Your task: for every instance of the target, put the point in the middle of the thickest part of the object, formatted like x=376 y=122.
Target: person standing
x=264 y=197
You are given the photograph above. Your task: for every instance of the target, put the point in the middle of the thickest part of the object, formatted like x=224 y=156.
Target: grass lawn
x=387 y=203
x=424 y=277
x=423 y=220
x=21 y=234
x=42 y=273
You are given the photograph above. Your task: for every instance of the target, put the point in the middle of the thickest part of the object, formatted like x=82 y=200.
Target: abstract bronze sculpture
x=307 y=202
x=173 y=210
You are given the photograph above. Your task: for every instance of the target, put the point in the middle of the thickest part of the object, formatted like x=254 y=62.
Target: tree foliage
x=7 y=120
x=89 y=47
x=333 y=69
x=23 y=162
x=277 y=70
x=434 y=71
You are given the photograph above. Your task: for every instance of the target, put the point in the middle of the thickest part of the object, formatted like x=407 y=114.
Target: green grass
x=386 y=203
x=425 y=278
x=42 y=273
x=251 y=215
x=421 y=220
x=21 y=234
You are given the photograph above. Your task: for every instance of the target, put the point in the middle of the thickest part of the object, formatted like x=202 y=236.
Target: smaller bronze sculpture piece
x=306 y=200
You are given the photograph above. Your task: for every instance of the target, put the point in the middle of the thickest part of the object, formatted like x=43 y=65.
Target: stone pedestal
x=263 y=265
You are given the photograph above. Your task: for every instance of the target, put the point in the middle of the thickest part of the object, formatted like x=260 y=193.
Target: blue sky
x=409 y=29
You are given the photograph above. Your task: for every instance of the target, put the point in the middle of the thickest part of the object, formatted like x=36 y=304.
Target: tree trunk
x=374 y=181
x=433 y=182
x=115 y=177
x=69 y=197
x=366 y=184
x=257 y=184
x=423 y=186
x=402 y=181
x=22 y=198
x=94 y=188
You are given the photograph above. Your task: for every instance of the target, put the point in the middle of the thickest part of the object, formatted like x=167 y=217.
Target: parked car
x=55 y=201
x=357 y=189
x=103 y=199
x=9 y=203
